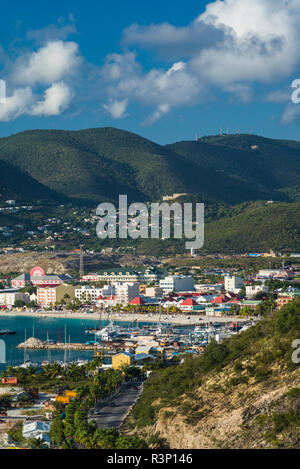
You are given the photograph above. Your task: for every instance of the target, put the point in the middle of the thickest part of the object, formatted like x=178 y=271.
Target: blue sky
x=167 y=70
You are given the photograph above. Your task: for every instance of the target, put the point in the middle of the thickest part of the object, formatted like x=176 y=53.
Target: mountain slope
x=16 y=184
x=267 y=165
x=243 y=393
x=258 y=227
x=93 y=163
x=97 y=164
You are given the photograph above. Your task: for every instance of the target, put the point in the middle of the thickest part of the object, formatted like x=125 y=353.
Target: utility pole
x=81 y=265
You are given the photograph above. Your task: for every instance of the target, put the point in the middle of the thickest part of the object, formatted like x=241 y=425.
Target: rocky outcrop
x=231 y=419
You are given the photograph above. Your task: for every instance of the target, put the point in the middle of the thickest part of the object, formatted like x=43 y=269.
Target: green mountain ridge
x=15 y=184
x=234 y=175
x=259 y=226
x=99 y=164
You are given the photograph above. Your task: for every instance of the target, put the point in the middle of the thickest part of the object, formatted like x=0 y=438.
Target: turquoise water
x=55 y=327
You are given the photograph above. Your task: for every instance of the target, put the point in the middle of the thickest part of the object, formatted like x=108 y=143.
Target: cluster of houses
x=142 y=287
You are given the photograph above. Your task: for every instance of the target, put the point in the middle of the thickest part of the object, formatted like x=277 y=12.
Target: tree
x=130 y=442
x=19 y=303
x=57 y=432
x=246 y=311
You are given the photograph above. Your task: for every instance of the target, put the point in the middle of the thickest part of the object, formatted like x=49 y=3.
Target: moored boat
x=7 y=332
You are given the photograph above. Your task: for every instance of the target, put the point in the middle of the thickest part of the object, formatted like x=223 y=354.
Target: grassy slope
x=101 y=163
x=275 y=165
x=244 y=393
x=259 y=226
x=18 y=185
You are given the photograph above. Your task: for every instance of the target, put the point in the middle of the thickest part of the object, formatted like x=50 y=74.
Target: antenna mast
x=81 y=266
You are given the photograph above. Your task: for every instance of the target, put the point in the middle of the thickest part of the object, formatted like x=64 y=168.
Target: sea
x=57 y=329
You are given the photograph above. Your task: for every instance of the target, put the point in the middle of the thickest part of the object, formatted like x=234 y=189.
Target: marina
x=48 y=339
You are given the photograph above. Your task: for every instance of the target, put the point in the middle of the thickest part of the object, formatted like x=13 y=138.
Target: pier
x=36 y=344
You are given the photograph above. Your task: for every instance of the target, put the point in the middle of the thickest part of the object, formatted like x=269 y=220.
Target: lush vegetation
x=96 y=164
x=259 y=227
x=73 y=430
x=265 y=168
x=86 y=167
x=262 y=346
x=70 y=427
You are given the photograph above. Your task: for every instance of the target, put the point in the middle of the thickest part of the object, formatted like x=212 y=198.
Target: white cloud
x=116 y=108
x=173 y=42
x=278 y=96
x=49 y=64
x=162 y=110
x=52 y=71
x=290 y=114
x=61 y=30
x=241 y=92
x=231 y=46
x=17 y=104
x=163 y=89
x=117 y=66
x=57 y=98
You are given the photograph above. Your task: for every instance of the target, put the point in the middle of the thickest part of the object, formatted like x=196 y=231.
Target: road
x=113 y=417
x=17 y=413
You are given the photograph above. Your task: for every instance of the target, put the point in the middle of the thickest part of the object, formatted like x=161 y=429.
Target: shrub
x=288 y=317
x=293 y=393
x=261 y=374
x=238 y=380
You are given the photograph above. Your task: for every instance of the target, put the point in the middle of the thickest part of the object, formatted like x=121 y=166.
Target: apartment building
x=285 y=297
x=253 y=290
x=8 y=297
x=48 y=296
x=141 y=275
x=233 y=284
x=154 y=292
x=126 y=292
x=87 y=293
x=176 y=283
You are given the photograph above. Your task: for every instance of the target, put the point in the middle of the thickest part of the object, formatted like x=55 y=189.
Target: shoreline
x=181 y=319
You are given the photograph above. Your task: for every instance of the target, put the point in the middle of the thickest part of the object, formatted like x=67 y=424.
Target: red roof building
x=220 y=299
x=188 y=305
x=138 y=301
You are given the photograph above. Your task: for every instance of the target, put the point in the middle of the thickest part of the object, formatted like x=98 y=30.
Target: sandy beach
x=180 y=319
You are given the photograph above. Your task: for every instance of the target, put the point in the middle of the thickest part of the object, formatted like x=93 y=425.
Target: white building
x=208 y=287
x=176 y=283
x=233 y=284
x=87 y=293
x=142 y=275
x=154 y=292
x=272 y=273
x=252 y=290
x=126 y=292
x=8 y=297
x=38 y=429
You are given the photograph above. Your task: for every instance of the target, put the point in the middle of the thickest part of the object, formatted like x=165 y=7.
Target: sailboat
x=109 y=332
x=26 y=361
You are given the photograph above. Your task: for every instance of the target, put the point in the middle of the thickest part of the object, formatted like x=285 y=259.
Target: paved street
x=17 y=413
x=112 y=417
